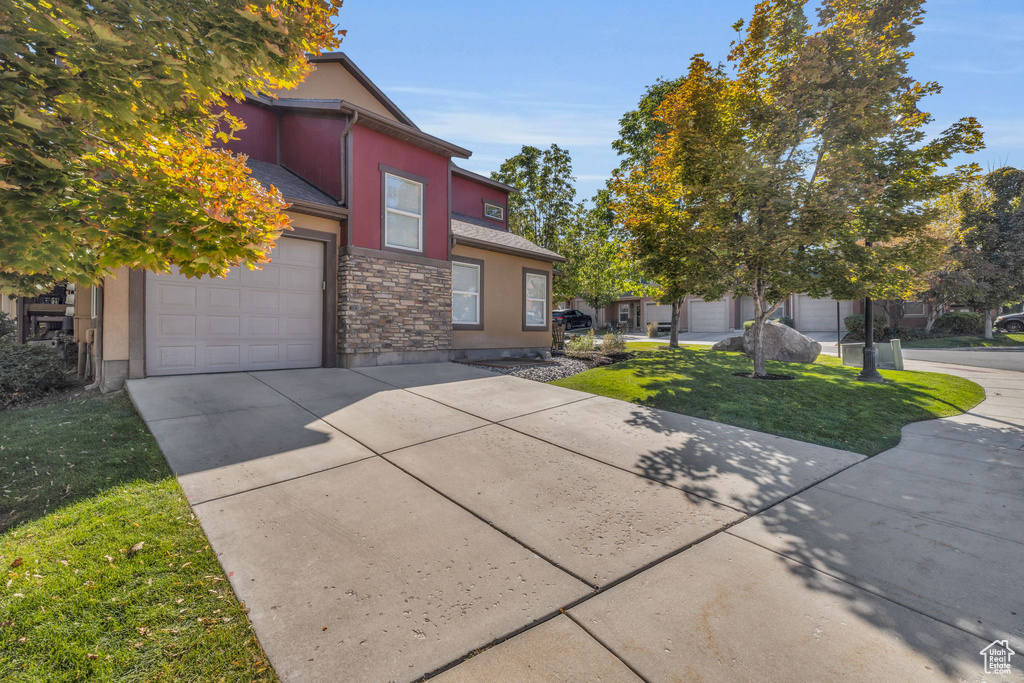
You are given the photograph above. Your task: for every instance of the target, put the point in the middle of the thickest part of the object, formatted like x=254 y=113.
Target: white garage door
x=251 y=320
x=657 y=313
x=747 y=310
x=708 y=316
x=819 y=315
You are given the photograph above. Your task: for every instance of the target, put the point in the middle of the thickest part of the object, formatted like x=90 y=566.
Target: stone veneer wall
x=392 y=311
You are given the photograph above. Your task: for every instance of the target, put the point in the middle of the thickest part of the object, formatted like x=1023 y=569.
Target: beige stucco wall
x=115 y=316
x=332 y=81
x=301 y=220
x=7 y=305
x=503 y=303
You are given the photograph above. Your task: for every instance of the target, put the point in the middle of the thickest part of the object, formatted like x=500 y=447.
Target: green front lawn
x=108 y=575
x=999 y=339
x=823 y=404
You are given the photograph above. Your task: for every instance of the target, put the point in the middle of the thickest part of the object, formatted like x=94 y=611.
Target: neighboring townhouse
x=730 y=312
x=397 y=254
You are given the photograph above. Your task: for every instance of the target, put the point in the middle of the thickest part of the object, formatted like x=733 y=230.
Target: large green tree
x=652 y=214
x=784 y=170
x=545 y=211
x=108 y=114
x=991 y=248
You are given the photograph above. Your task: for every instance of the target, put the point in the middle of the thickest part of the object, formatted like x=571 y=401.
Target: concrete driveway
x=386 y=524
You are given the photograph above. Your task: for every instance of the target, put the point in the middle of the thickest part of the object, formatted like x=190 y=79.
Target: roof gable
x=336 y=77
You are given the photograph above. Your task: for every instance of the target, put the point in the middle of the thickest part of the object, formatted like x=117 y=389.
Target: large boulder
x=729 y=344
x=783 y=343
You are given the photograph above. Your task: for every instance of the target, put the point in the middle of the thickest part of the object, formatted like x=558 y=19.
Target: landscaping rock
x=729 y=344
x=783 y=343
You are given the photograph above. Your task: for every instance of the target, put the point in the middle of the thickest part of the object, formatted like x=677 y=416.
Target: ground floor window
x=467 y=293
x=536 y=295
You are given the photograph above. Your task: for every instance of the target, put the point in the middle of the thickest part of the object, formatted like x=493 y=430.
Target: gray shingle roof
x=476 y=232
x=290 y=185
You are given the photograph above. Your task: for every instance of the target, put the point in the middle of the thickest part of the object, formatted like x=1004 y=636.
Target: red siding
x=370 y=149
x=259 y=139
x=468 y=198
x=311 y=148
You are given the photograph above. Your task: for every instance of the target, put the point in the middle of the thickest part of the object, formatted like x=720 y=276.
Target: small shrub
x=960 y=322
x=652 y=330
x=28 y=372
x=855 y=326
x=581 y=346
x=787 y=321
x=747 y=325
x=613 y=343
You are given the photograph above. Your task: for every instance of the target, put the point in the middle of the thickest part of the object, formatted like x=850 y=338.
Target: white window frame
x=477 y=294
x=388 y=210
x=499 y=207
x=623 y=309
x=546 y=315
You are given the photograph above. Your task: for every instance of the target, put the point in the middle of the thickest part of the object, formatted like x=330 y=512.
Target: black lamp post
x=869 y=373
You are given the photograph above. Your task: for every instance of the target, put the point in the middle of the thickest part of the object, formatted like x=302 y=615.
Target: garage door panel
x=224 y=297
x=177 y=295
x=268 y=276
x=301 y=353
x=262 y=326
x=819 y=315
x=250 y=320
x=177 y=357
x=708 y=316
x=224 y=356
x=224 y=326
x=177 y=325
x=658 y=313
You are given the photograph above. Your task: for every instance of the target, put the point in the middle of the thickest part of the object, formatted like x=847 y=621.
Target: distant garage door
x=251 y=320
x=707 y=316
x=819 y=315
x=657 y=313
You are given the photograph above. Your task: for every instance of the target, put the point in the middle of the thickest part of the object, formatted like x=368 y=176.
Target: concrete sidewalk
x=388 y=523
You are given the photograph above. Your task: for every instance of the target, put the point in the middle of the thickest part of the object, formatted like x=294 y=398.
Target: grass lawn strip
x=823 y=404
x=83 y=485
x=969 y=341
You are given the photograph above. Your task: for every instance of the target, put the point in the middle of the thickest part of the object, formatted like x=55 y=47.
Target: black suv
x=571 y=318
x=1011 y=322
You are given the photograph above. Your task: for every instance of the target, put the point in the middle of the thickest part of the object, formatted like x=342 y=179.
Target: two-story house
x=397 y=254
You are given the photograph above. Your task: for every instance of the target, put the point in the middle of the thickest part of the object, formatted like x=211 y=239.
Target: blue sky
x=493 y=76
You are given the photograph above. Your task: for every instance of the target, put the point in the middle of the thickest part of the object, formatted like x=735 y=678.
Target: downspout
x=346 y=151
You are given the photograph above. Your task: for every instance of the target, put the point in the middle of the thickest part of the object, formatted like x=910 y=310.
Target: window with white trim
x=466 y=293
x=403 y=213
x=536 y=300
x=494 y=211
x=913 y=309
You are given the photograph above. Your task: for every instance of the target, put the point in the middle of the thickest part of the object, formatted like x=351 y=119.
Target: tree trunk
x=673 y=340
x=988 y=323
x=762 y=314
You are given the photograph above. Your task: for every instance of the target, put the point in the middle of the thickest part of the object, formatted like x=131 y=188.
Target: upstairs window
x=494 y=211
x=403 y=213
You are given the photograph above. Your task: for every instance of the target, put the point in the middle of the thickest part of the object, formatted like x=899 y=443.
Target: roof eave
x=504 y=249
x=482 y=179
x=368 y=119
x=315 y=208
